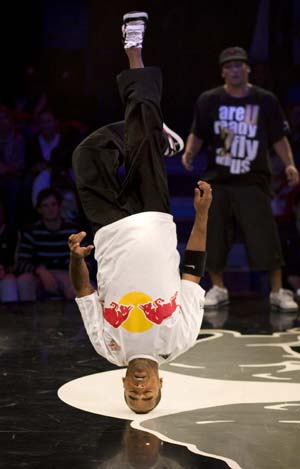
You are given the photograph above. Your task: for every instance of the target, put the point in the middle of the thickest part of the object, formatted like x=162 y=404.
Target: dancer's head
x=142 y=385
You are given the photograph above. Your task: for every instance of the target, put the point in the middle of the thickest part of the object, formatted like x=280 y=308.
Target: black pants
x=249 y=207
x=138 y=143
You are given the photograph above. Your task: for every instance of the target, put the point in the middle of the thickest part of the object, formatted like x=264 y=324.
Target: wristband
x=194 y=263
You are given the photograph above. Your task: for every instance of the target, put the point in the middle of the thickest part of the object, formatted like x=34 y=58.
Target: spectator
x=33 y=98
x=43 y=255
x=12 y=159
x=47 y=144
x=286 y=211
x=8 y=283
x=49 y=164
x=62 y=179
x=238 y=122
x=294 y=118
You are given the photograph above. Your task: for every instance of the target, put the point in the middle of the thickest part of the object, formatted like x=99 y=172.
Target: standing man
x=143 y=313
x=238 y=122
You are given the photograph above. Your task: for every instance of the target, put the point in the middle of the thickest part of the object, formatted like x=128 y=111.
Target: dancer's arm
x=78 y=270
x=196 y=246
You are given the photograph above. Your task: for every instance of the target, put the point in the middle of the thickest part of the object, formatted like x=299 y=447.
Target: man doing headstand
x=144 y=313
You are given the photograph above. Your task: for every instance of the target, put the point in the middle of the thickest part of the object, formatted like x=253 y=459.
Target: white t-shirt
x=142 y=308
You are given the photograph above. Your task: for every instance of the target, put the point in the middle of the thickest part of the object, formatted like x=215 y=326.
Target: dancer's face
x=142 y=385
x=235 y=73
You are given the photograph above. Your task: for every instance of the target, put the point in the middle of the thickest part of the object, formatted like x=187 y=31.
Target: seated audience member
x=286 y=211
x=43 y=254
x=32 y=99
x=60 y=177
x=294 y=119
x=8 y=283
x=47 y=141
x=289 y=232
x=50 y=143
x=49 y=164
x=12 y=159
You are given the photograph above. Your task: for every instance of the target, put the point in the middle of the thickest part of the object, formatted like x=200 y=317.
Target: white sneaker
x=176 y=143
x=283 y=299
x=133 y=29
x=216 y=296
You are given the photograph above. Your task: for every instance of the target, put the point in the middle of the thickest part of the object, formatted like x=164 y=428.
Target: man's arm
x=78 y=270
x=192 y=147
x=196 y=245
x=284 y=151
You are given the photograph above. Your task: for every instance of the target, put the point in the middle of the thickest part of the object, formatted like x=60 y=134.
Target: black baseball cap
x=233 y=53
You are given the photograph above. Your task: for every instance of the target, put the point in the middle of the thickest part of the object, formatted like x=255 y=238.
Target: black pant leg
x=146 y=177
x=97 y=159
x=95 y=163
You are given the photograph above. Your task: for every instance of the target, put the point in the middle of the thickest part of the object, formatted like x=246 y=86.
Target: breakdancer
x=144 y=312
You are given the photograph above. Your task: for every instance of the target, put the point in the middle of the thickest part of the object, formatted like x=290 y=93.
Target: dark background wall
x=77 y=46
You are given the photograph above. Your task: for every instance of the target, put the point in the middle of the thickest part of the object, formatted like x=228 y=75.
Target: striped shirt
x=40 y=246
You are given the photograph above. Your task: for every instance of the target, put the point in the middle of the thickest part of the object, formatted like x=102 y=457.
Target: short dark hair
x=45 y=193
x=145 y=411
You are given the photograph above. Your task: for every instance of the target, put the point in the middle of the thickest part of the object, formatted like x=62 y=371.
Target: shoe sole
x=135 y=15
x=175 y=137
x=217 y=305
x=287 y=310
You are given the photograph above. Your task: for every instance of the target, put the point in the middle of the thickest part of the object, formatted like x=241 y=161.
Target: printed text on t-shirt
x=237 y=127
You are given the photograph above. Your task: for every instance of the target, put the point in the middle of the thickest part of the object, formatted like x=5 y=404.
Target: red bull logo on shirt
x=138 y=312
x=117 y=313
x=158 y=310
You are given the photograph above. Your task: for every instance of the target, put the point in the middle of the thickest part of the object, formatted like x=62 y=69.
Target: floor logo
x=232 y=397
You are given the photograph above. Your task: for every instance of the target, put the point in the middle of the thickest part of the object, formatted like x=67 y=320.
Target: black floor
x=43 y=346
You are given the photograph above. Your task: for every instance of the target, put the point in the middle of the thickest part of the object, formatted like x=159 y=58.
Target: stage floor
x=233 y=400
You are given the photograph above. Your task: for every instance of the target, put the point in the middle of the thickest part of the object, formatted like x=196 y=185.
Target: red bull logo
x=137 y=312
x=158 y=310
x=116 y=314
